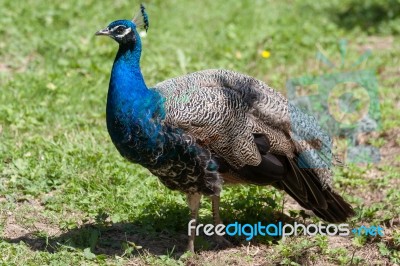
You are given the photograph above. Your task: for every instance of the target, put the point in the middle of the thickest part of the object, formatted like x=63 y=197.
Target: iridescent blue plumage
x=135 y=122
x=129 y=101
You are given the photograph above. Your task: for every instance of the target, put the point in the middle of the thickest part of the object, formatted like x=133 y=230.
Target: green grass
x=79 y=202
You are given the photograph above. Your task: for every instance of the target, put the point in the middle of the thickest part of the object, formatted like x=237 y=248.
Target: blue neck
x=133 y=111
x=126 y=77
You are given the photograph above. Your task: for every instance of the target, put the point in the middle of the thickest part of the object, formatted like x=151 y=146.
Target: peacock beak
x=105 y=32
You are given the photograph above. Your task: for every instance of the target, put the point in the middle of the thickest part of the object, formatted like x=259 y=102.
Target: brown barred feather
x=256 y=136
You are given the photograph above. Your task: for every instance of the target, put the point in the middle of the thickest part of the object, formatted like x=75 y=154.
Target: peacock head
x=125 y=31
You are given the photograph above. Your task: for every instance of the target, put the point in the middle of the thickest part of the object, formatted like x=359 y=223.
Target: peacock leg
x=221 y=241
x=194 y=204
x=215 y=209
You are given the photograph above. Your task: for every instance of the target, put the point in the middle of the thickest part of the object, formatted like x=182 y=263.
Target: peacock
x=199 y=131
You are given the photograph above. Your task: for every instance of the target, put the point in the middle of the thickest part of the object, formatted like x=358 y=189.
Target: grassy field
x=68 y=198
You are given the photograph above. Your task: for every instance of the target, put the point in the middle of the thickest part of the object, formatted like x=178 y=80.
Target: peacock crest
x=141 y=19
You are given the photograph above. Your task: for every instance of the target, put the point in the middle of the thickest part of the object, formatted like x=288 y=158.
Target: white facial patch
x=122 y=35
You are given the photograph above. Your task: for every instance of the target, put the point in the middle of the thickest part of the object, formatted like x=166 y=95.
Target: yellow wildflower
x=266 y=54
x=238 y=55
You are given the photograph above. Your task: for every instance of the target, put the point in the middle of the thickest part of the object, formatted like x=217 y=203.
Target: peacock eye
x=120 y=30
